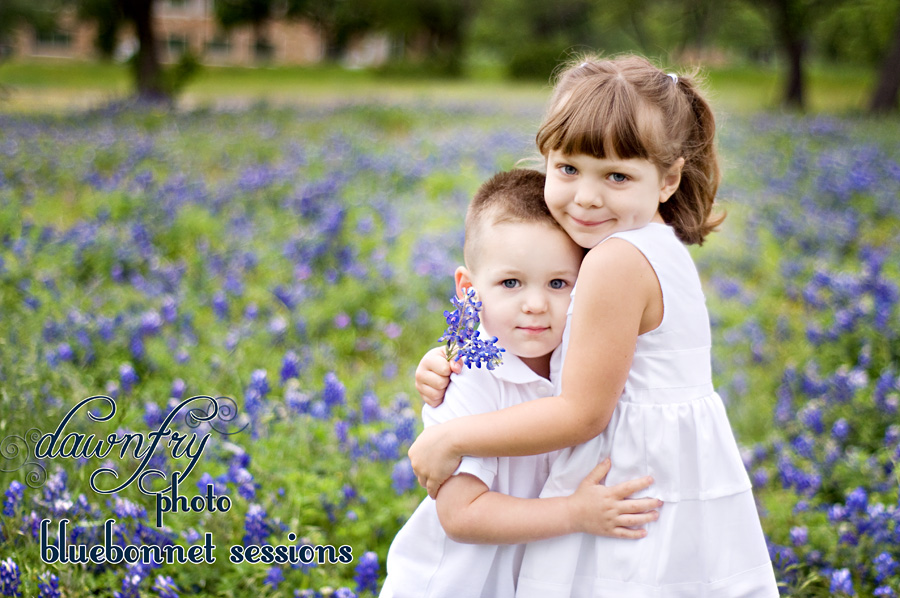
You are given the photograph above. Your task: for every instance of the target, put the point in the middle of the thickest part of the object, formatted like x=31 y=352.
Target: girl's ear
x=463 y=281
x=671 y=180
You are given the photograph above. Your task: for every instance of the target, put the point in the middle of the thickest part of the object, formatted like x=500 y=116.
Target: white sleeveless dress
x=671 y=424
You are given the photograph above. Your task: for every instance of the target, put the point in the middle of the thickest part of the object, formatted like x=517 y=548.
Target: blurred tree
x=530 y=37
x=337 y=20
x=14 y=13
x=886 y=91
x=255 y=13
x=435 y=30
x=792 y=22
x=110 y=16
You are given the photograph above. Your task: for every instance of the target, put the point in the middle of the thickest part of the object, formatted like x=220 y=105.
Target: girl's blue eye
x=618 y=177
x=557 y=284
x=510 y=283
x=568 y=169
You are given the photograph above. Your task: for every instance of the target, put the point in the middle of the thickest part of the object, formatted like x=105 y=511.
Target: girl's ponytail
x=690 y=209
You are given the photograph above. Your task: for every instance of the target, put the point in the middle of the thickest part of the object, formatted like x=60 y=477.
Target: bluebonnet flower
x=840 y=429
x=220 y=305
x=127 y=377
x=366 y=573
x=884 y=591
x=370 y=408
x=131 y=582
x=403 y=478
x=9 y=578
x=257 y=529
x=48 y=586
x=13 y=498
x=885 y=567
x=343 y=593
x=125 y=509
x=341 y=428
x=463 y=340
x=842 y=582
x=274 y=577
x=387 y=445
x=165 y=587
x=334 y=393
x=169 y=309
x=857 y=500
x=295 y=399
x=799 y=535
x=290 y=366
x=178 y=388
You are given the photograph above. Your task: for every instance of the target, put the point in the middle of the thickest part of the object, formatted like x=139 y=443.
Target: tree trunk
x=789 y=20
x=795 y=88
x=147 y=69
x=885 y=97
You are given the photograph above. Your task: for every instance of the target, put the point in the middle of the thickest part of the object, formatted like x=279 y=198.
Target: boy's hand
x=433 y=375
x=607 y=511
x=432 y=457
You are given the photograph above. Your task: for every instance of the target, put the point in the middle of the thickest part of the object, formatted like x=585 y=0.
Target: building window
x=220 y=44
x=53 y=39
x=177 y=44
x=263 y=50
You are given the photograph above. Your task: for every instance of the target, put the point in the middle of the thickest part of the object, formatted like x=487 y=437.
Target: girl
x=631 y=175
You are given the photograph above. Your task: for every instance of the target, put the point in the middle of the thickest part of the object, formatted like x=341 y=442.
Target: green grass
x=40 y=85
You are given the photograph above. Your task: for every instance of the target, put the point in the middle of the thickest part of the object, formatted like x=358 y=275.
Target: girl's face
x=592 y=198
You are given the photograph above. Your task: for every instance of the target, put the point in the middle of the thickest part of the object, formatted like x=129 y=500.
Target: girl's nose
x=588 y=196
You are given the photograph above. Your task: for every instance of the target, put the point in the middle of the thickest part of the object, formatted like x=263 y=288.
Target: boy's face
x=524 y=274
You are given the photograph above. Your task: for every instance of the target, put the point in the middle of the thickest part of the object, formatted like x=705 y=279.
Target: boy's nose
x=535 y=303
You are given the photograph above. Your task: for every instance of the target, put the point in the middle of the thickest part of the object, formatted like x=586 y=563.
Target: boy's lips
x=534 y=329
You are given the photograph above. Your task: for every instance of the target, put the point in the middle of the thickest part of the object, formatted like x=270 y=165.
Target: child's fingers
x=626 y=489
x=456 y=366
x=639 y=505
x=598 y=474
x=637 y=520
x=629 y=534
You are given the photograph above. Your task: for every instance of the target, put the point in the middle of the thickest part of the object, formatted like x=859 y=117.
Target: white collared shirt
x=423 y=561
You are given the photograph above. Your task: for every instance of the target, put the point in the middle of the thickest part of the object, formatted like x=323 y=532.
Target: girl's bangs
x=601 y=120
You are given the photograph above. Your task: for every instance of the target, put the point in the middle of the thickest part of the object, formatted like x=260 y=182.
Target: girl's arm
x=618 y=298
x=472 y=514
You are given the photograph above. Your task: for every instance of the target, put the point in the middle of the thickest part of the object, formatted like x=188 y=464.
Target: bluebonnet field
x=298 y=260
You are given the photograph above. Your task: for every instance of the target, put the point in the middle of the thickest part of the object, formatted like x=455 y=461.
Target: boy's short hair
x=512 y=196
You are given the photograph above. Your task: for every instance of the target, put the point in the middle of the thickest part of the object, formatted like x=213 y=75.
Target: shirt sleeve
x=471 y=392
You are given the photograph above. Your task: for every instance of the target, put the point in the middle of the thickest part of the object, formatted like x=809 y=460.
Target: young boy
x=468 y=542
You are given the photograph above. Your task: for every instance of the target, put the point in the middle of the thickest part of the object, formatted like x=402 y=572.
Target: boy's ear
x=463 y=279
x=671 y=180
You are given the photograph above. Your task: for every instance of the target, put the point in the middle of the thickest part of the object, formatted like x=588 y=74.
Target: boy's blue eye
x=510 y=283
x=557 y=284
x=568 y=169
x=618 y=177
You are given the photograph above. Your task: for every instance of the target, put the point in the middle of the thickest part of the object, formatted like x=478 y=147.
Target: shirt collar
x=515 y=371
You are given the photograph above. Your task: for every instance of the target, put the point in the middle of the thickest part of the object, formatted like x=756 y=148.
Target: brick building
x=183 y=25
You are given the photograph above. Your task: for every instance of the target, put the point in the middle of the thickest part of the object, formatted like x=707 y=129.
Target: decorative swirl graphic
x=221 y=409
x=16 y=448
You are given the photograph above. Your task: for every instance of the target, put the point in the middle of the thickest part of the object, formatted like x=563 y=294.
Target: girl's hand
x=433 y=458
x=433 y=375
x=607 y=511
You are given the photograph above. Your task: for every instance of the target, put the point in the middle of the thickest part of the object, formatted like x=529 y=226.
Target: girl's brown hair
x=628 y=108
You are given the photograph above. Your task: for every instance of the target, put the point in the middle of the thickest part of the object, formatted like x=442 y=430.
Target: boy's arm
x=615 y=286
x=470 y=513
